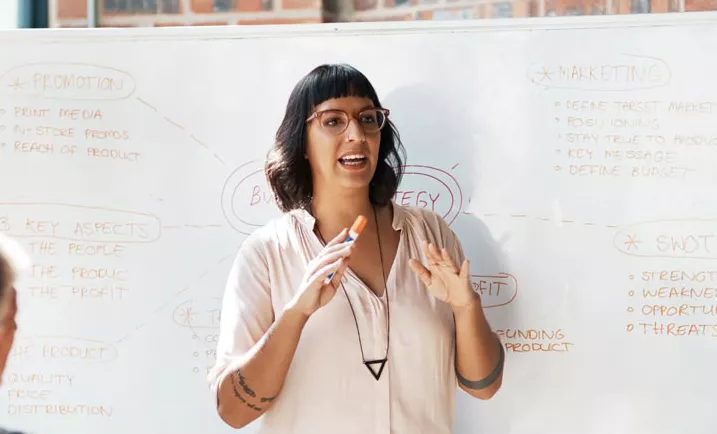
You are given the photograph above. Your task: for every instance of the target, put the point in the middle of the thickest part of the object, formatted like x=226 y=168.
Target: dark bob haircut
x=286 y=169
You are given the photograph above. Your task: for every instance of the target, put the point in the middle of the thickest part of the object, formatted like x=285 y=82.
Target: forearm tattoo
x=241 y=398
x=242 y=383
x=237 y=377
x=490 y=378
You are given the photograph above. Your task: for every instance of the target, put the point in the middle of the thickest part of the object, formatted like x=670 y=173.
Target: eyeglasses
x=337 y=121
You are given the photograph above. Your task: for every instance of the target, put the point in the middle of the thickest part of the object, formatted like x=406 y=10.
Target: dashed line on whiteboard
x=544 y=219
x=161 y=308
x=181 y=127
x=192 y=226
x=219 y=158
x=198 y=141
x=147 y=104
x=174 y=123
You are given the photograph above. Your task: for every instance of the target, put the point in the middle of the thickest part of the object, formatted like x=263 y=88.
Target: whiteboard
x=575 y=158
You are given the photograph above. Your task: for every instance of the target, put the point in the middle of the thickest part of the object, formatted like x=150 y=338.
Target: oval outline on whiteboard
x=634 y=228
x=441 y=177
x=229 y=191
x=501 y=275
x=254 y=167
x=124 y=94
x=619 y=88
x=149 y=217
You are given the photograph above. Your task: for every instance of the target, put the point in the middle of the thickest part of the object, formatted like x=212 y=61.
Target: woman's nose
x=354 y=131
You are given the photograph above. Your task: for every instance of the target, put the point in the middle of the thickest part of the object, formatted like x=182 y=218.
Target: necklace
x=375 y=366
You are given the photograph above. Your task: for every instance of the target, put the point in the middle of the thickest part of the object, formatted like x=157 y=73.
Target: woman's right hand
x=313 y=293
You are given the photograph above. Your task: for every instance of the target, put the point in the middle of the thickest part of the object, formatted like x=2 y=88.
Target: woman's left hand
x=443 y=278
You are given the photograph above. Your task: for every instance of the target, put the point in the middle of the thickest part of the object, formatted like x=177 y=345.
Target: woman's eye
x=332 y=122
x=368 y=119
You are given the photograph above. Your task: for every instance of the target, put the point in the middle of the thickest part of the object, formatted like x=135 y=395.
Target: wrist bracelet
x=490 y=378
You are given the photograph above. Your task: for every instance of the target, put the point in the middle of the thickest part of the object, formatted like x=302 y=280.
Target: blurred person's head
x=12 y=260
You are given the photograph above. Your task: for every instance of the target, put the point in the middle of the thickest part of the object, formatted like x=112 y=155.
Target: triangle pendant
x=369 y=364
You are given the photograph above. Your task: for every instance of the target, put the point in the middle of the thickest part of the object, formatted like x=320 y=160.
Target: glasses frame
x=315 y=115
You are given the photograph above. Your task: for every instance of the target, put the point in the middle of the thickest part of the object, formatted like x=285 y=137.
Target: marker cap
x=358 y=226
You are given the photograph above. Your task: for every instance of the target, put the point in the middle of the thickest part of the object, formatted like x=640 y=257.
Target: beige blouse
x=328 y=389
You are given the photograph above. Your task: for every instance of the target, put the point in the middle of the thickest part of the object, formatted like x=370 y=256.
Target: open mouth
x=354 y=160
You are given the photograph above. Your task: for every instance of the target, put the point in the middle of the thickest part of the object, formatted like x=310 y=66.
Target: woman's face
x=341 y=152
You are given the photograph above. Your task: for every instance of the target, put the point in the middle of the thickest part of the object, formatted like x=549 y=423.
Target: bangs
x=337 y=81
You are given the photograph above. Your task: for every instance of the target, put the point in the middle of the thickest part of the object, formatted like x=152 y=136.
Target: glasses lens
x=372 y=120
x=334 y=122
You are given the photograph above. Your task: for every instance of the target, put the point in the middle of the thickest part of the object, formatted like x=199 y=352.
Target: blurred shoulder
x=424 y=219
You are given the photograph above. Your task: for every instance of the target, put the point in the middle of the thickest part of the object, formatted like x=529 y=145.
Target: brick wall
x=700 y=5
x=130 y=13
x=369 y=10
x=134 y=13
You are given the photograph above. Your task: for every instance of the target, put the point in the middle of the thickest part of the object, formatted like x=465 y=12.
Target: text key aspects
x=79 y=253
x=78 y=223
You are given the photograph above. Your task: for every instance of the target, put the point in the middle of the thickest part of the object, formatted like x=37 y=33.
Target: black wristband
x=490 y=378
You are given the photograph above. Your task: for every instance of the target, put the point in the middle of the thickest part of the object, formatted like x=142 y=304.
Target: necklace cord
x=385 y=291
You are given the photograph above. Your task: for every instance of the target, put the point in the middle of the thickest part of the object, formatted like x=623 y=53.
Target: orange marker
x=354 y=232
x=357 y=228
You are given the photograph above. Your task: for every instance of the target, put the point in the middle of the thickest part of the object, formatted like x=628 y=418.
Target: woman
x=13 y=259
x=380 y=347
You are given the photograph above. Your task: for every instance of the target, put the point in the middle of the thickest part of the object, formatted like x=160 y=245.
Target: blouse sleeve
x=246 y=312
x=453 y=244
x=437 y=231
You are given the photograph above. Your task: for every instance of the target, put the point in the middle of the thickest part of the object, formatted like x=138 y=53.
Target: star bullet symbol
x=544 y=74
x=187 y=315
x=632 y=242
x=16 y=85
